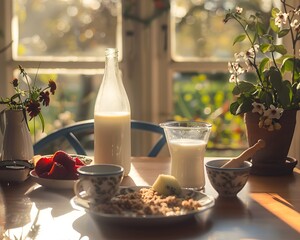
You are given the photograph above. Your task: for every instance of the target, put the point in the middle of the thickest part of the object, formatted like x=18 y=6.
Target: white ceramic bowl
x=227 y=181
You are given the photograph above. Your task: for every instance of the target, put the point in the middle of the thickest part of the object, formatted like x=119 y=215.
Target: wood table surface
x=266 y=208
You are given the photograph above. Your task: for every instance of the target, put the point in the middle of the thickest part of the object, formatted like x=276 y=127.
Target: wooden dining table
x=266 y=208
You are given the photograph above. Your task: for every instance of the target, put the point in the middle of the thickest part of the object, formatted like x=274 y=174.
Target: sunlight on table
x=55 y=229
x=279 y=207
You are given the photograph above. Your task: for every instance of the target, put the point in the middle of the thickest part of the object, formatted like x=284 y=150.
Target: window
x=201 y=45
x=64 y=40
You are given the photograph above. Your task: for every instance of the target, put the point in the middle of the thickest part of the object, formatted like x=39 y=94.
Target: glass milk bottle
x=112 y=143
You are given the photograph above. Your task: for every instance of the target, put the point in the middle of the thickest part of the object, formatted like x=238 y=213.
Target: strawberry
x=60 y=166
x=78 y=161
x=43 y=166
x=76 y=167
x=57 y=171
x=72 y=175
x=64 y=159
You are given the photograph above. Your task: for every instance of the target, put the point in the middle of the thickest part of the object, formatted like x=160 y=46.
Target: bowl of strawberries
x=58 y=171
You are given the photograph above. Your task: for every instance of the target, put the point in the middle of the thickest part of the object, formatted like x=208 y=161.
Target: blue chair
x=86 y=127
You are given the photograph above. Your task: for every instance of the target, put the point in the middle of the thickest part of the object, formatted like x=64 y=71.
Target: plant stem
x=252 y=45
x=294 y=40
x=274 y=61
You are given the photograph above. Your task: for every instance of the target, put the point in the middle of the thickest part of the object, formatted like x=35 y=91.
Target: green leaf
x=268 y=37
x=239 y=38
x=242 y=105
x=260 y=28
x=274 y=27
x=284 y=96
x=246 y=87
x=245 y=106
x=236 y=91
x=265 y=47
x=287 y=84
x=42 y=121
x=275 y=78
x=283 y=32
x=287 y=64
x=274 y=12
x=280 y=49
x=265 y=97
x=296 y=74
x=262 y=65
x=233 y=108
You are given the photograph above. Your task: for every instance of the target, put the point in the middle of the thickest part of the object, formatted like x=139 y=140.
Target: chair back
x=72 y=132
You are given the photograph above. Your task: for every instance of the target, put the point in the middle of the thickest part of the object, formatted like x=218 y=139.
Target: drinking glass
x=187 y=142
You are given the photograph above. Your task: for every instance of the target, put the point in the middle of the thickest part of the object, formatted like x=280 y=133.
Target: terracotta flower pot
x=273 y=159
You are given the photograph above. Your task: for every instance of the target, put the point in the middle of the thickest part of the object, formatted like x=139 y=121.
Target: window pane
x=198 y=31
x=44 y=29
x=207 y=97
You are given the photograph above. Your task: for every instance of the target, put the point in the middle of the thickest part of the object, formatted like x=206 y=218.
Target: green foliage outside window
x=206 y=97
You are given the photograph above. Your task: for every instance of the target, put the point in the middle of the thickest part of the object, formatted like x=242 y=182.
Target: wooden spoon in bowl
x=248 y=153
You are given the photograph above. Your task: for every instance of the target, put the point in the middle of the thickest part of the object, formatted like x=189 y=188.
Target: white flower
x=281 y=18
x=247 y=56
x=240 y=57
x=252 y=51
x=273 y=112
x=296 y=25
x=238 y=10
x=233 y=78
x=235 y=69
x=258 y=107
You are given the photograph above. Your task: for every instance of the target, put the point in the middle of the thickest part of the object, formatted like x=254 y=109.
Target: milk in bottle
x=112 y=139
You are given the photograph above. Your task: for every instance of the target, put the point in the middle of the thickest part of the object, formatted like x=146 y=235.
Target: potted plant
x=17 y=144
x=270 y=103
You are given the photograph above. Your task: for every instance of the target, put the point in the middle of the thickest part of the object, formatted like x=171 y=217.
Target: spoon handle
x=248 y=153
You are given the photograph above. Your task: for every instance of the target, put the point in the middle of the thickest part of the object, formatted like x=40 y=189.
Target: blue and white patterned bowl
x=227 y=181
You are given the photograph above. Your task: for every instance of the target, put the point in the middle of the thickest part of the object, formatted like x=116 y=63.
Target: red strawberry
x=78 y=161
x=58 y=171
x=43 y=166
x=72 y=175
x=64 y=159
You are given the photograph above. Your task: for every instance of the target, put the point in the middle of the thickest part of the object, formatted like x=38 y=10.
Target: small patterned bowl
x=227 y=181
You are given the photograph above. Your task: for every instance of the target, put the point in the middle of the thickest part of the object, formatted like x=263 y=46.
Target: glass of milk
x=187 y=142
